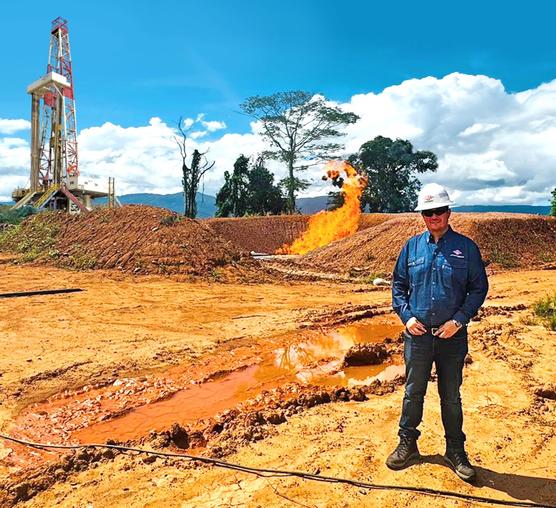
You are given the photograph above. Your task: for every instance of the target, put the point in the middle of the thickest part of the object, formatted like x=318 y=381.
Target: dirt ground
x=123 y=325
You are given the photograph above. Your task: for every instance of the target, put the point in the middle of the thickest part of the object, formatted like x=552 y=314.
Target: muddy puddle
x=130 y=408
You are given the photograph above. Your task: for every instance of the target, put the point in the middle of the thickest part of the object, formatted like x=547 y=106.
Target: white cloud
x=14 y=165
x=213 y=125
x=492 y=146
x=478 y=128
x=147 y=159
x=187 y=123
x=10 y=126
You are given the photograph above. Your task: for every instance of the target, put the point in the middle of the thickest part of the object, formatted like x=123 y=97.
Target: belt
x=434 y=329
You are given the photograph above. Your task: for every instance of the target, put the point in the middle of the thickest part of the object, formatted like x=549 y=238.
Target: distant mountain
x=207 y=204
x=540 y=210
x=311 y=205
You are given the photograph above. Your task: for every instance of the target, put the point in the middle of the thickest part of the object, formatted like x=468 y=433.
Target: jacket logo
x=457 y=254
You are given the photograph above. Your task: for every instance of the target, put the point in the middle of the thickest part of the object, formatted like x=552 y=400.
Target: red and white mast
x=58 y=162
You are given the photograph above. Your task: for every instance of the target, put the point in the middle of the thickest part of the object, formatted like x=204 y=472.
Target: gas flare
x=325 y=227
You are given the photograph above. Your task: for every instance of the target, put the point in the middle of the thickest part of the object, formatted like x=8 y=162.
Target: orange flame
x=325 y=227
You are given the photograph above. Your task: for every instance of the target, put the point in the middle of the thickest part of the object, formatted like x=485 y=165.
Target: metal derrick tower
x=54 y=158
x=54 y=130
x=58 y=140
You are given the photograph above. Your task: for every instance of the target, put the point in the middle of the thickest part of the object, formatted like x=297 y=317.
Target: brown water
x=89 y=414
x=317 y=362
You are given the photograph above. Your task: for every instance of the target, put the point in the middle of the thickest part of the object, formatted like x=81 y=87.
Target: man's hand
x=447 y=330
x=415 y=327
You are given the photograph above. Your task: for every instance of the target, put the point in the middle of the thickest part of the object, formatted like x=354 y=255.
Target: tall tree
x=264 y=196
x=192 y=173
x=224 y=204
x=249 y=190
x=553 y=204
x=300 y=126
x=232 y=198
x=391 y=167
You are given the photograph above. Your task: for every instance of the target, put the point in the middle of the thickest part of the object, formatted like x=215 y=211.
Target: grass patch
x=547 y=257
x=369 y=279
x=81 y=260
x=503 y=258
x=528 y=320
x=34 y=239
x=366 y=276
x=170 y=220
x=545 y=310
x=215 y=275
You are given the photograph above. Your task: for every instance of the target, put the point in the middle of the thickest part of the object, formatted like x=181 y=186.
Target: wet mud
x=276 y=392
x=131 y=408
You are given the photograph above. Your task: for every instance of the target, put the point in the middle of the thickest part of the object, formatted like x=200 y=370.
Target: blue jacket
x=439 y=282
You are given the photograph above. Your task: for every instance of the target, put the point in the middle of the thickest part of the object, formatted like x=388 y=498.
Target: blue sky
x=475 y=82
x=135 y=60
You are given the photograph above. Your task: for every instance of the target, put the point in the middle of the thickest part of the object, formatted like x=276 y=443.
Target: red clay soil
x=268 y=234
x=138 y=239
x=506 y=241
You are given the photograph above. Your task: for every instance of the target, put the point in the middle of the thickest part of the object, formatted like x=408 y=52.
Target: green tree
x=249 y=190
x=233 y=199
x=553 y=204
x=300 y=126
x=224 y=204
x=264 y=196
x=391 y=168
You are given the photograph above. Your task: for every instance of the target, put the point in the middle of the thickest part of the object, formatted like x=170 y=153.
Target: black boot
x=405 y=454
x=456 y=458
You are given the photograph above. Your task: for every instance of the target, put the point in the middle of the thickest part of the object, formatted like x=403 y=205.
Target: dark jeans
x=448 y=354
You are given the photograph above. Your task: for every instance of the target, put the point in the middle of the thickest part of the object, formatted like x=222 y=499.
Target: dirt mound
x=506 y=241
x=368 y=220
x=260 y=234
x=267 y=234
x=365 y=354
x=138 y=239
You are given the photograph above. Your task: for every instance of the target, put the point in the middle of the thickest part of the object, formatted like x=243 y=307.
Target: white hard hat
x=432 y=196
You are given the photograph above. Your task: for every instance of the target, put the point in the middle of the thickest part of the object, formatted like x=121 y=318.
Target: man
x=439 y=284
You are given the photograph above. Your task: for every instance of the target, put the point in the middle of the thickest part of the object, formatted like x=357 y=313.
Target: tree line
x=303 y=129
x=390 y=165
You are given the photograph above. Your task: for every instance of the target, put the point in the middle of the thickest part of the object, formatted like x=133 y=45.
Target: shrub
x=9 y=216
x=34 y=239
x=545 y=309
x=170 y=220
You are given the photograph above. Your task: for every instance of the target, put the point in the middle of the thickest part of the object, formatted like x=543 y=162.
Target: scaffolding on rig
x=54 y=156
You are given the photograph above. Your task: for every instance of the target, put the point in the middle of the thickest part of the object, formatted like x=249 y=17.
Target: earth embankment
x=268 y=234
x=507 y=241
x=137 y=239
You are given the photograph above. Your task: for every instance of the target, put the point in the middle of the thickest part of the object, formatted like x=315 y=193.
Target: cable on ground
x=40 y=292
x=267 y=473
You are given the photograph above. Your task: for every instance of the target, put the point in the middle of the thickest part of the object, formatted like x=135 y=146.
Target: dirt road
x=122 y=326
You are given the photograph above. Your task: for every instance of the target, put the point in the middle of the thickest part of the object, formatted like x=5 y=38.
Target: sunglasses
x=435 y=211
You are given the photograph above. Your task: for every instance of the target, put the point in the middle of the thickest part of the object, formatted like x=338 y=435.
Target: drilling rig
x=54 y=157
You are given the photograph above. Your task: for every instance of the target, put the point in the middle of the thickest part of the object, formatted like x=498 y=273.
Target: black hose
x=266 y=472
x=40 y=292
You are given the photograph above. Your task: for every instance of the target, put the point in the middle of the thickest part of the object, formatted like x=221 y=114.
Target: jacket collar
x=445 y=237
